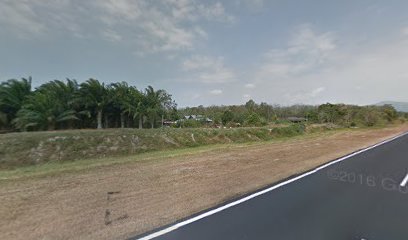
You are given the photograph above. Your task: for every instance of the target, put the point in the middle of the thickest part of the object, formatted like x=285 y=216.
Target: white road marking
x=404 y=182
x=219 y=209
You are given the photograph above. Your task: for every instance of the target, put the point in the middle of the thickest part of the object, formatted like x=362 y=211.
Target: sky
x=215 y=52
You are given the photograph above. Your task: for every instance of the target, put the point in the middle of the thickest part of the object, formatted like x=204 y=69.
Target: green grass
x=15 y=148
x=34 y=148
x=80 y=165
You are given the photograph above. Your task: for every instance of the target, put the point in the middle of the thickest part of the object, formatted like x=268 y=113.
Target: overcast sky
x=215 y=52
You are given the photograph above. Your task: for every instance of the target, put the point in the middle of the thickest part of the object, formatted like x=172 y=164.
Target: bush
x=254 y=119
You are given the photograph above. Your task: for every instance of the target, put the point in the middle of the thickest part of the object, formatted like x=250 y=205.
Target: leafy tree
x=390 y=112
x=63 y=93
x=135 y=105
x=265 y=111
x=157 y=103
x=227 y=117
x=3 y=120
x=311 y=115
x=13 y=93
x=254 y=119
x=94 y=96
x=370 y=116
x=121 y=99
x=66 y=104
x=173 y=113
x=42 y=112
x=328 y=113
x=250 y=105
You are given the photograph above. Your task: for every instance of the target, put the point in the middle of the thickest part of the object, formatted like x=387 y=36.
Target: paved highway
x=363 y=196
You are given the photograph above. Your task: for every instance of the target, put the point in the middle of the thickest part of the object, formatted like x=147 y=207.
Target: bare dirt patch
x=119 y=201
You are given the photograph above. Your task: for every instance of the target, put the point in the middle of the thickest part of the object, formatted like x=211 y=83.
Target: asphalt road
x=358 y=198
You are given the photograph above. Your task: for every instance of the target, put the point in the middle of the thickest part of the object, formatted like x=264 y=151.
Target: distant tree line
x=253 y=114
x=91 y=104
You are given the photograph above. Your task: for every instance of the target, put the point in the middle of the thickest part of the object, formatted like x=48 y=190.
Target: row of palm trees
x=68 y=104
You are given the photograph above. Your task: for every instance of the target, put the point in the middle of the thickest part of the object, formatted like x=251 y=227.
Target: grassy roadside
x=36 y=148
x=68 y=200
x=55 y=168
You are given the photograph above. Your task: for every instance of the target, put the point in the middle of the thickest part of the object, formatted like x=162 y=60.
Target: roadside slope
x=120 y=201
x=35 y=148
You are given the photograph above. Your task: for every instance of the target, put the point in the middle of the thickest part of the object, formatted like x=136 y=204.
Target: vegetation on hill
x=399 y=106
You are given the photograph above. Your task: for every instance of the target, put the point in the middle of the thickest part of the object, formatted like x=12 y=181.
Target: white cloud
x=404 y=31
x=165 y=36
x=128 y=10
x=327 y=72
x=303 y=96
x=198 y=30
x=216 y=92
x=216 y=11
x=195 y=96
x=379 y=70
x=305 y=51
x=20 y=18
x=46 y=19
x=208 y=70
x=111 y=35
x=151 y=26
x=253 y=5
x=305 y=40
x=198 y=62
x=194 y=10
x=249 y=85
x=317 y=91
x=161 y=26
x=246 y=97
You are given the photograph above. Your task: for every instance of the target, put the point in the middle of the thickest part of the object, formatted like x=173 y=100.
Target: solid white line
x=219 y=209
x=404 y=182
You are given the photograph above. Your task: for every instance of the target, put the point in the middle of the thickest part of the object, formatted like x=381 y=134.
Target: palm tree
x=135 y=105
x=64 y=94
x=121 y=98
x=13 y=93
x=42 y=111
x=157 y=103
x=94 y=96
x=3 y=120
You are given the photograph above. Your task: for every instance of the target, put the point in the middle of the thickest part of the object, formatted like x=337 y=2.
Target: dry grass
x=148 y=194
x=35 y=148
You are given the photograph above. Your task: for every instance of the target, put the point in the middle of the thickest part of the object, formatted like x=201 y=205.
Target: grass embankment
x=30 y=148
x=38 y=148
x=68 y=200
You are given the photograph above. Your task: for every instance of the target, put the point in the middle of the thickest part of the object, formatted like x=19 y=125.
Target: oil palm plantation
x=42 y=113
x=157 y=102
x=13 y=94
x=135 y=105
x=67 y=104
x=121 y=98
x=48 y=106
x=94 y=96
